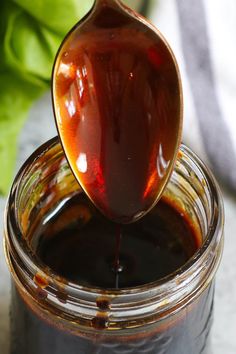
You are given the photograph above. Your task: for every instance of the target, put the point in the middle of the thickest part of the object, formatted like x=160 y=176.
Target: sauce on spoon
x=118 y=107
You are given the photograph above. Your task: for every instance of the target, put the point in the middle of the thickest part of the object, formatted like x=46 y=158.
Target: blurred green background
x=31 y=32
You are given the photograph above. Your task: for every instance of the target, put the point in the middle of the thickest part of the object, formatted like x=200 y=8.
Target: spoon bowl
x=118 y=107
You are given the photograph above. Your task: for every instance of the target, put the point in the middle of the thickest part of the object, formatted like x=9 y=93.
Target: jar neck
x=125 y=306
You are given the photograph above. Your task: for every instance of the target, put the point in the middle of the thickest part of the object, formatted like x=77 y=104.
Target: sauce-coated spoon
x=118 y=107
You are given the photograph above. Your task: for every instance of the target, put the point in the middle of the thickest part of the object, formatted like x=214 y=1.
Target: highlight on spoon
x=118 y=106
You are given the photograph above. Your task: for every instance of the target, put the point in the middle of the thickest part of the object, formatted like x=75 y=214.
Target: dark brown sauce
x=79 y=244
x=103 y=303
x=83 y=249
x=100 y=321
x=117 y=104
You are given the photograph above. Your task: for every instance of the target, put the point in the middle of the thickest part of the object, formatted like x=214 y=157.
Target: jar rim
x=150 y=292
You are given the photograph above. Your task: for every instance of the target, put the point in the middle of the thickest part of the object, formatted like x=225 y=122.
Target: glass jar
x=52 y=315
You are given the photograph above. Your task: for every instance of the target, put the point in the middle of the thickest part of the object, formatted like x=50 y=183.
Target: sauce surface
x=80 y=244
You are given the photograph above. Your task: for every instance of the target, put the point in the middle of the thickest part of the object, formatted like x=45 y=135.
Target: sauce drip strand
x=118 y=108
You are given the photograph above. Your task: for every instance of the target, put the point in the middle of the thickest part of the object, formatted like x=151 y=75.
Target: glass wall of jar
x=50 y=314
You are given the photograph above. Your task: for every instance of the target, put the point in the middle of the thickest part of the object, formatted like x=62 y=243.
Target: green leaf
x=29 y=48
x=59 y=15
x=16 y=97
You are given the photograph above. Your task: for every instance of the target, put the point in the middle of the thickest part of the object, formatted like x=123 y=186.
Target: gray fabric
x=197 y=56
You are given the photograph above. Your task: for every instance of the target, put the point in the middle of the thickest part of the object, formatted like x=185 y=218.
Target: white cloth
x=202 y=36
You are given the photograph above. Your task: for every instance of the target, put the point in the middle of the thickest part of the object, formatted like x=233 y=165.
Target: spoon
x=118 y=108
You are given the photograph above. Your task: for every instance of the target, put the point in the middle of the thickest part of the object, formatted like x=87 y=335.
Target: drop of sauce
x=103 y=303
x=40 y=281
x=118 y=108
x=100 y=322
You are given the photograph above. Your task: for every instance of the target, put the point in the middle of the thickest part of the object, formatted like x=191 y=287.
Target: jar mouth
x=169 y=289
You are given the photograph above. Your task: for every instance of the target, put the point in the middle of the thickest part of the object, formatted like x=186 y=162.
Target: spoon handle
x=106 y=3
